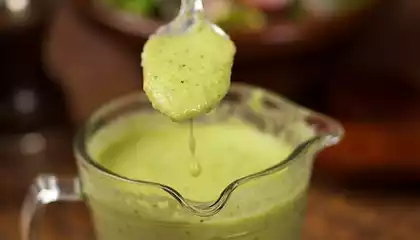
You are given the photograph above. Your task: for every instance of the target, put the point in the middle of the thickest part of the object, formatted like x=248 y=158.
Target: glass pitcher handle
x=45 y=189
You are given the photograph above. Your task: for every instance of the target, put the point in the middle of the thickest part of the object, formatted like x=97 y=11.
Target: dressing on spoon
x=187 y=64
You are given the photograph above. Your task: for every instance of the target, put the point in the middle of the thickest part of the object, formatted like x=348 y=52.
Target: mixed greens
x=143 y=7
x=248 y=14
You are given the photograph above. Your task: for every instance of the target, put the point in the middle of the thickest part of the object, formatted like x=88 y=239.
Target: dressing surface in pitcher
x=152 y=148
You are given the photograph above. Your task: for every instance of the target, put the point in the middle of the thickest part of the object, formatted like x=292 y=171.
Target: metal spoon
x=190 y=12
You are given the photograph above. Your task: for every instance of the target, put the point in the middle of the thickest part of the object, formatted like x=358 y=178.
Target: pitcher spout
x=328 y=130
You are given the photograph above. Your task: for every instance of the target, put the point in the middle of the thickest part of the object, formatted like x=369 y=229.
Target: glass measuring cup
x=266 y=205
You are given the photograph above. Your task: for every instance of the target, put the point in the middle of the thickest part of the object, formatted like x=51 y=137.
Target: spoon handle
x=191 y=6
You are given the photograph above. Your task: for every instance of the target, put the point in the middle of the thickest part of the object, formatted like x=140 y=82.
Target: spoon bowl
x=187 y=64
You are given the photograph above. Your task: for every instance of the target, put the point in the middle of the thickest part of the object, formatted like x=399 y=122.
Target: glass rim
x=203 y=209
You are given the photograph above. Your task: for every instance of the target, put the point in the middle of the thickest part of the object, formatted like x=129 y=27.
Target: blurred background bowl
x=259 y=27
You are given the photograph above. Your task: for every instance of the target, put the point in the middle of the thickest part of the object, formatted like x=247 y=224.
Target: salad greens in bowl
x=223 y=12
x=287 y=24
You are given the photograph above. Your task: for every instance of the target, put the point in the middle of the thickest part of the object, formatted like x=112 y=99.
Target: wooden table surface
x=333 y=213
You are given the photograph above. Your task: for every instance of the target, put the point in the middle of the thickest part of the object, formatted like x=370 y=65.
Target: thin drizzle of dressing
x=195 y=167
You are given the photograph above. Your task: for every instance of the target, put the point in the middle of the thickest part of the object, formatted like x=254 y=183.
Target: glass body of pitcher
x=266 y=205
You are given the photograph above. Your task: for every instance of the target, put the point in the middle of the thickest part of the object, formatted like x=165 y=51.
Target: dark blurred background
x=356 y=60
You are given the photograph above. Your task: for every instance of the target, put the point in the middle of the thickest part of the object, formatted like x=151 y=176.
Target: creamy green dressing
x=187 y=75
x=156 y=149
x=150 y=147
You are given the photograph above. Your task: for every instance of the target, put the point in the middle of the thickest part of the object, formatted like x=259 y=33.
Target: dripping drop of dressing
x=195 y=167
